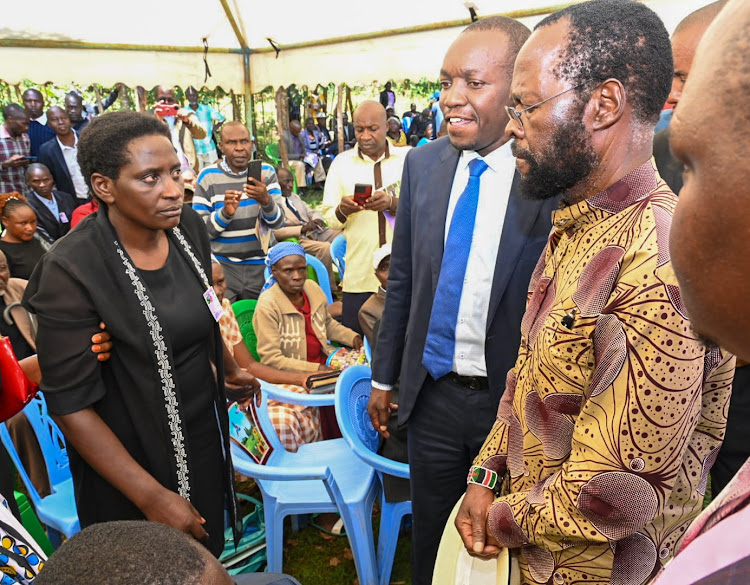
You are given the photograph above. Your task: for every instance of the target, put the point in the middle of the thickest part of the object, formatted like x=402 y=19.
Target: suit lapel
x=520 y=217
x=438 y=185
x=61 y=161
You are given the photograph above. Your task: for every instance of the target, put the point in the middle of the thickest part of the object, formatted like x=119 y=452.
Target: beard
x=569 y=159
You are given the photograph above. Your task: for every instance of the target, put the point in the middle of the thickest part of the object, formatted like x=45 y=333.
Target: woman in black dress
x=21 y=245
x=147 y=431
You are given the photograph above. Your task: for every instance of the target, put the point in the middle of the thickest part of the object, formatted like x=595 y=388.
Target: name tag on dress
x=63 y=217
x=213 y=303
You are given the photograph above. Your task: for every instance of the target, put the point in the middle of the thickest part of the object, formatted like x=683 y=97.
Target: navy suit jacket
x=51 y=156
x=418 y=242
x=48 y=226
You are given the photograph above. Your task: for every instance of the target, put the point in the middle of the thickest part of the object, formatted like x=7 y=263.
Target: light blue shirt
x=207 y=116
x=50 y=204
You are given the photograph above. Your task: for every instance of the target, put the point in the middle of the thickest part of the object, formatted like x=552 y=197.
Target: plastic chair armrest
x=275 y=473
x=289 y=397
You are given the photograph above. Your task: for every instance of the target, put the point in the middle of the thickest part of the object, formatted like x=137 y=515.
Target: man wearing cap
x=327 y=146
x=372 y=311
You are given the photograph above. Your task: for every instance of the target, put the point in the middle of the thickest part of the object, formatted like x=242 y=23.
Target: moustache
x=519 y=152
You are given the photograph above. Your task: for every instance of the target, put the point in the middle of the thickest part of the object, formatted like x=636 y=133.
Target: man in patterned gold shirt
x=614 y=412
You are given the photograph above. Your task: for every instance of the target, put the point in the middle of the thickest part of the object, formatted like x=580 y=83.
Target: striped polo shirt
x=233 y=238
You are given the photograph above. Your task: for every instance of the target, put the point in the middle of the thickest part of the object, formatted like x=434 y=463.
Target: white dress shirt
x=494 y=192
x=70 y=154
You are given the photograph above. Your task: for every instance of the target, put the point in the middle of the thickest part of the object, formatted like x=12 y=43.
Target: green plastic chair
x=31 y=523
x=272 y=152
x=243 y=311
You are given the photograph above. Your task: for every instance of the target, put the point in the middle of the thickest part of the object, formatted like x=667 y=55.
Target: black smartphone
x=253 y=170
x=31 y=159
x=362 y=193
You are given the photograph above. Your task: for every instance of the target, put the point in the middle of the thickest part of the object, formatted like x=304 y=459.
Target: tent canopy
x=352 y=41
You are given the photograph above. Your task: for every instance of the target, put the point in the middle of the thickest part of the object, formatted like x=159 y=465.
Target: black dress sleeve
x=71 y=373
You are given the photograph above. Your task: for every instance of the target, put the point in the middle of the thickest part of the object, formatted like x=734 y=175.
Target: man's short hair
x=34 y=167
x=516 y=32
x=103 y=145
x=619 y=39
x=232 y=124
x=14 y=111
x=124 y=553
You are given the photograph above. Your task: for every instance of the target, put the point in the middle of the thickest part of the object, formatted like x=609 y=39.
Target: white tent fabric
x=145 y=22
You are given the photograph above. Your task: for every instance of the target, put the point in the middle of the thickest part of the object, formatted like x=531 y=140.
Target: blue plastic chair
x=320 y=273
x=352 y=394
x=320 y=477
x=338 y=254
x=57 y=510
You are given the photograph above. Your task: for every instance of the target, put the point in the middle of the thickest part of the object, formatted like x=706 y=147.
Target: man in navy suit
x=54 y=209
x=450 y=384
x=60 y=156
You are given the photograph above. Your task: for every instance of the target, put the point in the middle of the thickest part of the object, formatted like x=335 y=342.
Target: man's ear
x=609 y=101
x=102 y=187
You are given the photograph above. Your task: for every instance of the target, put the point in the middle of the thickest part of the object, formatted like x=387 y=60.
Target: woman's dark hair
x=9 y=202
x=103 y=146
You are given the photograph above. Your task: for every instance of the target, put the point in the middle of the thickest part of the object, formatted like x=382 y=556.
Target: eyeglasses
x=515 y=115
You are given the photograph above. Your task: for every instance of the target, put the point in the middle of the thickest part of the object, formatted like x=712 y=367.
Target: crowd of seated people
x=98 y=231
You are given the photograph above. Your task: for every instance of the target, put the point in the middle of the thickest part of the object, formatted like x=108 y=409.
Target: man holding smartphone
x=231 y=204
x=367 y=220
x=14 y=149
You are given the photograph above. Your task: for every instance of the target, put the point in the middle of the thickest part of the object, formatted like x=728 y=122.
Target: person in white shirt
x=60 y=156
x=450 y=333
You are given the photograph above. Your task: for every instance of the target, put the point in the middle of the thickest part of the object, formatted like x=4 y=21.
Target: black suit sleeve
x=391 y=338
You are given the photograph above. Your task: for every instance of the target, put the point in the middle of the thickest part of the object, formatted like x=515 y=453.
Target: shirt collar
x=495 y=160
x=41 y=119
x=44 y=199
x=64 y=146
x=386 y=154
x=633 y=187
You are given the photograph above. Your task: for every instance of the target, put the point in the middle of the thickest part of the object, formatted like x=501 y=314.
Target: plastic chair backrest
x=272 y=152
x=352 y=393
x=316 y=271
x=51 y=443
x=338 y=253
x=321 y=276
x=243 y=312
x=50 y=438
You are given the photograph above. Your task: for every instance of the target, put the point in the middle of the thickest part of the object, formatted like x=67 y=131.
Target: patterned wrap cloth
x=614 y=412
x=295 y=424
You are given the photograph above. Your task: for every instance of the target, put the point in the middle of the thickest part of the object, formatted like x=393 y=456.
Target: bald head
x=685 y=41
x=701 y=18
x=708 y=237
x=370 y=127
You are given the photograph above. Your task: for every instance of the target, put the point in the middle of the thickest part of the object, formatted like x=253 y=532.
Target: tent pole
x=53 y=44
x=248 y=94
x=413 y=29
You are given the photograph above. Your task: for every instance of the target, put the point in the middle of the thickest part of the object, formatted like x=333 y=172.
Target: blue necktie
x=441 y=333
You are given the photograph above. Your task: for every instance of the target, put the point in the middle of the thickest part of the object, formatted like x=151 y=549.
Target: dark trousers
x=445 y=431
x=352 y=303
x=736 y=446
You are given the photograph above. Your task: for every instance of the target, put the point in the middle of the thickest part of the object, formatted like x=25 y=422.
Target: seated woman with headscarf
x=292 y=322
x=295 y=424
x=395 y=135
